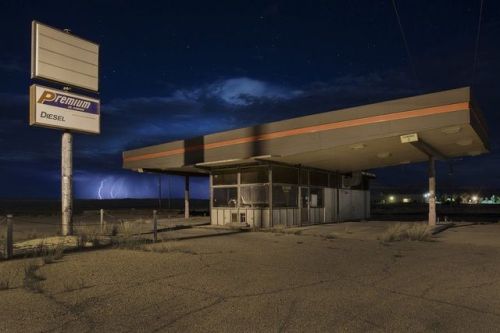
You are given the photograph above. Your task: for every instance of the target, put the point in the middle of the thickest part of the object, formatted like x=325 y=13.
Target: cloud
x=245 y=91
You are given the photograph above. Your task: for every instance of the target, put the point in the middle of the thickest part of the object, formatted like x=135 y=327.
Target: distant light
x=474 y=198
x=426 y=195
x=406 y=200
x=392 y=198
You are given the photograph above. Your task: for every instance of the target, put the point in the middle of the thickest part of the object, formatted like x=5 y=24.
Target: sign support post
x=60 y=57
x=67 y=183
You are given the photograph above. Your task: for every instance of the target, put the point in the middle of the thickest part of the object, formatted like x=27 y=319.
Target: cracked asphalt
x=267 y=282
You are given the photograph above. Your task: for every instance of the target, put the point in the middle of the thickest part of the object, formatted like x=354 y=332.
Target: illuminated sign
x=409 y=138
x=59 y=109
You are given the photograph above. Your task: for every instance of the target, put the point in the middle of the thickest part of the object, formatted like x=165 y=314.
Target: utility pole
x=67 y=183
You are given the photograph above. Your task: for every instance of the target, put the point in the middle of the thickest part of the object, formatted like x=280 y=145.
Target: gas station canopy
x=443 y=125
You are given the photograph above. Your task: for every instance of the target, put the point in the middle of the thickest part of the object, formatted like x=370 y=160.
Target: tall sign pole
x=67 y=183
x=73 y=62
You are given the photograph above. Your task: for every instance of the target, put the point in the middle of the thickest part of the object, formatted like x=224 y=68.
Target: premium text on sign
x=59 y=109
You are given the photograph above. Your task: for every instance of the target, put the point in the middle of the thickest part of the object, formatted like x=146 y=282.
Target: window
x=255 y=175
x=318 y=178
x=285 y=196
x=225 y=177
x=285 y=175
x=304 y=180
x=316 y=197
x=254 y=196
x=335 y=180
x=225 y=197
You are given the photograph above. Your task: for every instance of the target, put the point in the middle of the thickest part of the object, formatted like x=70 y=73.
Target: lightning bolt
x=100 y=189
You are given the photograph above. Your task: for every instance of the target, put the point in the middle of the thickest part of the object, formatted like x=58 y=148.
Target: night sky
x=177 y=69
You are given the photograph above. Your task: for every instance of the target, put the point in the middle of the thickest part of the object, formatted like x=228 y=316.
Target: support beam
x=186 y=197
x=432 y=191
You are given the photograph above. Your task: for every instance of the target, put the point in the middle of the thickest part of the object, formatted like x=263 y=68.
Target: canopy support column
x=186 y=197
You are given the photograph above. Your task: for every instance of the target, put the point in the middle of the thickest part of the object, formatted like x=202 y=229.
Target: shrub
x=4 y=282
x=419 y=232
x=416 y=232
x=32 y=278
x=88 y=234
x=393 y=233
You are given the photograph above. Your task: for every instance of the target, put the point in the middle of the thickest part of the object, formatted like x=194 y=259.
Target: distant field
x=417 y=212
x=43 y=207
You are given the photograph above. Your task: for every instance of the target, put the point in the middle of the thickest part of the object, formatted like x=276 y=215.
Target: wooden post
x=271 y=206
x=432 y=191
x=186 y=197
x=102 y=220
x=9 y=245
x=155 y=227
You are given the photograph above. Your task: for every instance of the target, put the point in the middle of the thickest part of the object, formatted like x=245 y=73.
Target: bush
x=419 y=232
x=415 y=232
x=32 y=278
x=88 y=234
x=393 y=233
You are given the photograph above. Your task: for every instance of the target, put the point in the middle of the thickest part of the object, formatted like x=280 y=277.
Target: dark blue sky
x=175 y=69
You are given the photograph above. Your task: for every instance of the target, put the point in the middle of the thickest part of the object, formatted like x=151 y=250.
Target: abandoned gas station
x=311 y=169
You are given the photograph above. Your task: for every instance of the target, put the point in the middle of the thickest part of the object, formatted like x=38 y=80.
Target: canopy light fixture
x=358 y=146
x=385 y=154
x=464 y=142
x=451 y=130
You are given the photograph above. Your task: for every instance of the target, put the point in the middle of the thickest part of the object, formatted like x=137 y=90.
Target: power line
x=476 y=48
x=403 y=36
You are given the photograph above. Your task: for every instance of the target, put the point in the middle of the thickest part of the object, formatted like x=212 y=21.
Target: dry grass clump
x=419 y=232
x=88 y=234
x=73 y=285
x=128 y=243
x=53 y=254
x=168 y=247
x=415 y=232
x=4 y=282
x=393 y=233
x=32 y=278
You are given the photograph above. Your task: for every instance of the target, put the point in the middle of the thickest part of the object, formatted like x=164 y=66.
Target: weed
x=54 y=254
x=73 y=285
x=331 y=236
x=32 y=278
x=4 y=282
x=88 y=234
x=416 y=232
x=419 y=232
x=32 y=235
x=128 y=243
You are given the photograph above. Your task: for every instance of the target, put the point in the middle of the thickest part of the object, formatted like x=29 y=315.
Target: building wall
x=352 y=205
x=337 y=204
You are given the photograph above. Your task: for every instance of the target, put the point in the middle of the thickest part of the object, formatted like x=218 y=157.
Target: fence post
x=155 y=227
x=9 y=244
x=102 y=220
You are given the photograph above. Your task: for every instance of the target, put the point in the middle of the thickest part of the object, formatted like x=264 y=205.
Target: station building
x=311 y=169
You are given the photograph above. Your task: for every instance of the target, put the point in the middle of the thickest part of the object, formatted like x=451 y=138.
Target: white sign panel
x=62 y=57
x=59 y=109
x=407 y=138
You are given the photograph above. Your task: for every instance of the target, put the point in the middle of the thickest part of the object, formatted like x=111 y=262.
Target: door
x=304 y=205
